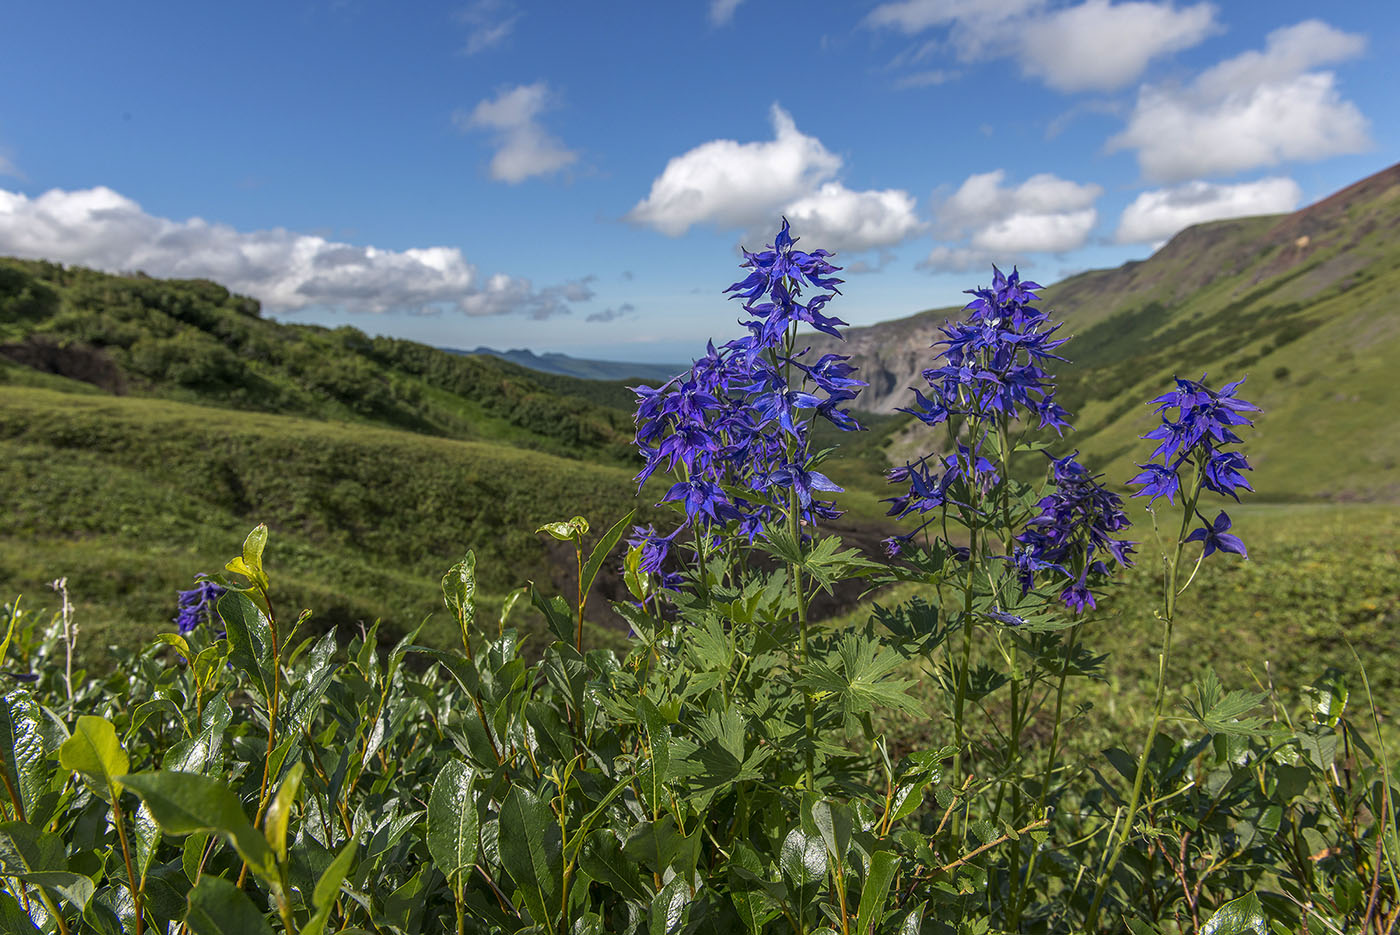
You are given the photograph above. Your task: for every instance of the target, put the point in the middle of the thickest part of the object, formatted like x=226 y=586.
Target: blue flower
x=196 y=606
x=1216 y=537
x=1157 y=481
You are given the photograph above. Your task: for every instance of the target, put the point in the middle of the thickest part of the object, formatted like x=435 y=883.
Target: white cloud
x=524 y=148
x=746 y=186
x=849 y=220
x=1257 y=109
x=287 y=271
x=1156 y=215
x=1099 y=47
x=1094 y=45
x=722 y=11
x=987 y=221
x=489 y=22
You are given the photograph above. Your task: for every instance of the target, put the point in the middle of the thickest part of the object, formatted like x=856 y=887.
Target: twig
x=1041 y=823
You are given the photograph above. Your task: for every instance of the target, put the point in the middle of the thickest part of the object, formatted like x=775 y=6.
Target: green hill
x=193 y=341
x=130 y=498
x=1301 y=304
x=146 y=425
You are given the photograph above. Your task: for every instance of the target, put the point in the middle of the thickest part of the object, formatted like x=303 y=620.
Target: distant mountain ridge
x=579 y=367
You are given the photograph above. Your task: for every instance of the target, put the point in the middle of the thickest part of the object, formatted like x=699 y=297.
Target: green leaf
x=26 y=849
x=1242 y=916
x=601 y=550
x=187 y=802
x=459 y=589
x=565 y=530
x=22 y=747
x=658 y=738
x=14 y=919
x=834 y=824
x=328 y=888
x=532 y=852
x=670 y=907
x=1220 y=712
x=452 y=821
x=556 y=614
x=250 y=564
x=249 y=638
x=77 y=888
x=603 y=860
x=94 y=753
x=803 y=857
x=883 y=867
x=659 y=844
x=217 y=907
x=279 y=813
x=637 y=583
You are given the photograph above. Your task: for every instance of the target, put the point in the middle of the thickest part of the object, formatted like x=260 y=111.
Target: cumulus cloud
x=1256 y=109
x=1156 y=215
x=1094 y=45
x=722 y=11
x=988 y=221
x=746 y=186
x=612 y=314
x=489 y=22
x=287 y=271
x=523 y=147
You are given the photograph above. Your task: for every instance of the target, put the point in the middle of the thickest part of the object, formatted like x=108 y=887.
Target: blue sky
x=578 y=177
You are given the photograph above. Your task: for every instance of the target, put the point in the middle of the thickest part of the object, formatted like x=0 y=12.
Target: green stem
x=126 y=857
x=1172 y=570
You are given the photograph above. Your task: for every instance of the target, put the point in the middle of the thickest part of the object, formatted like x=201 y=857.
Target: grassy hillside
x=193 y=341
x=132 y=497
x=1302 y=305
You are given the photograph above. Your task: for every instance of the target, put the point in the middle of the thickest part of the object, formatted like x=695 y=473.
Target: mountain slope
x=193 y=341
x=1302 y=303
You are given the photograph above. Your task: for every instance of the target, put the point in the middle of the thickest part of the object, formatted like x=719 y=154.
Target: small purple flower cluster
x=993 y=361
x=934 y=482
x=1204 y=425
x=1073 y=533
x=739 y=420
x=196 y=606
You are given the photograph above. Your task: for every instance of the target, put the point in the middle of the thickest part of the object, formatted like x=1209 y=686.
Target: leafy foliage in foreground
x=660 y=791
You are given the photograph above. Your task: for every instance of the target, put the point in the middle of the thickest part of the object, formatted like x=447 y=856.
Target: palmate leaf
x=1222 y=712
x=861 y=677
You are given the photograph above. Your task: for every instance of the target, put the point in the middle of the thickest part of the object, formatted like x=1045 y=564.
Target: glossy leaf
x=1241 y=916
x=94 y=753
x=532 y=852
x=602 y=549
x=187 y=802
x=249 y=638
x=452 y=821
x=22 y=752
x=217 y=907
